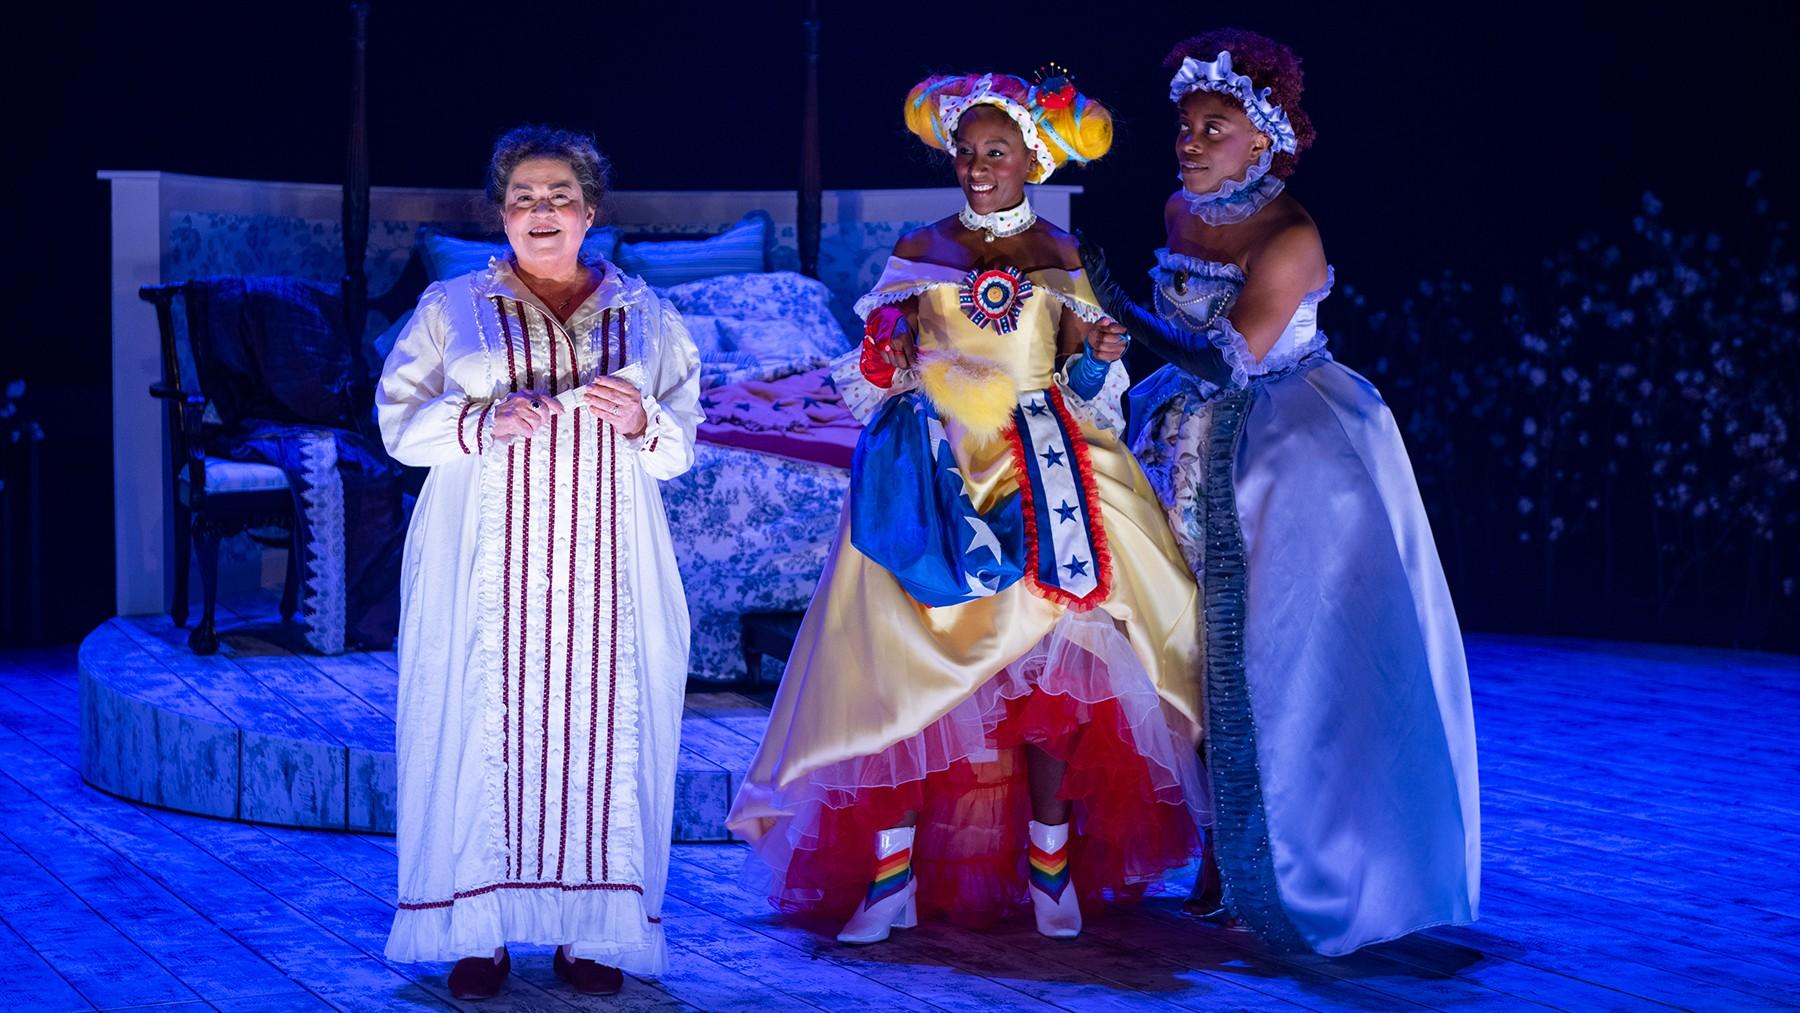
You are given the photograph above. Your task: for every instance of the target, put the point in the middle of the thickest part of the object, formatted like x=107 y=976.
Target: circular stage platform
x=263 y=733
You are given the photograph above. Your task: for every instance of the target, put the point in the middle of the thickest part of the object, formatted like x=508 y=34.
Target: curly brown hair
x=591 y=169
x=1268 y=64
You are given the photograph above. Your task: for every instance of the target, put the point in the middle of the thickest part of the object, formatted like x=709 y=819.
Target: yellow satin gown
x=872 y=667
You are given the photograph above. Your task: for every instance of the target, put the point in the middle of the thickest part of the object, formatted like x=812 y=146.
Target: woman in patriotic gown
x=991 y=696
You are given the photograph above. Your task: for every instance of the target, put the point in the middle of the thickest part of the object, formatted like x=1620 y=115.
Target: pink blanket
x=799 y=416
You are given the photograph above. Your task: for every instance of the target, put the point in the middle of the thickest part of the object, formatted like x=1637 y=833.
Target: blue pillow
x=741 y=249
x=447 y=256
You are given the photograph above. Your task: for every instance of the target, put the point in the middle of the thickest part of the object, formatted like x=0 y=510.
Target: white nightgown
x=543 y=629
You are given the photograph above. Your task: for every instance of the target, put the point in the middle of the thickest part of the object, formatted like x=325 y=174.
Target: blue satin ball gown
x=1340 y=737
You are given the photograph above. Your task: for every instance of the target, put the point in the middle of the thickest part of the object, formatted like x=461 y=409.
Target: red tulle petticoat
x=1081 y=696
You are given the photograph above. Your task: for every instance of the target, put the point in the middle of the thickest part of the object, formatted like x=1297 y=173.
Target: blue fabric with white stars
x=910 y=511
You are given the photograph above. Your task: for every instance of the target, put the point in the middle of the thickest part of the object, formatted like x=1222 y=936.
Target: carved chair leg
x=750 y=643
x=752 y=669
x=204 y=640
x=183 y=561
x=290 y=585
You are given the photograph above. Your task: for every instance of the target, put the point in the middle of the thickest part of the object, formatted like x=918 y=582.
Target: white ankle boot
x=1052 y=892
x=890 y=903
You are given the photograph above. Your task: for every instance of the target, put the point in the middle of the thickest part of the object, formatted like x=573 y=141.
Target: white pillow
x=772 y=341
x=768 y=297
x=704 y=329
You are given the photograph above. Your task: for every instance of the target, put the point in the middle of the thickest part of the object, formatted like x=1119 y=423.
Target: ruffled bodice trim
x=902 y=279
x=1198 y=295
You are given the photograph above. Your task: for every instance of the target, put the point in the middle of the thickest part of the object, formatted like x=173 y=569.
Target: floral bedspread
x=751 y=532
x=800 y=416
x=754 y=518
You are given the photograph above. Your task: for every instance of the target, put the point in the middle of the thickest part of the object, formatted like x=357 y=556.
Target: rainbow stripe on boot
x=1058 y=912
x=892 y=900
x=891 y=876
x=1050 y=870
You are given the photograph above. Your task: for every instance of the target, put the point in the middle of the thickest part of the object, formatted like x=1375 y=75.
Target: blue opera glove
x=1087 y=375
x=1192 y=351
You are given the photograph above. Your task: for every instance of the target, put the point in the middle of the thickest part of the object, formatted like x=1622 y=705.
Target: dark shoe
x=1207 y=900
x=589 y=977
x=479 y=977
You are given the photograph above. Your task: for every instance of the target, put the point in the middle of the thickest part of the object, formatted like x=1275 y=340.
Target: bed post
x=356 y=179
x=811 y=210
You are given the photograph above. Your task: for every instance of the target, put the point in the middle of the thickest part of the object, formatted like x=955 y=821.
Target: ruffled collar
x=616 y=289
x=1237 y=199
x=999 y=224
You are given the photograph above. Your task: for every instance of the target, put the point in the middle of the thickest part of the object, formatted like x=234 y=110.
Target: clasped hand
x=520 y=413
x=617 y=402
x=894 y=339
x=1106 y=339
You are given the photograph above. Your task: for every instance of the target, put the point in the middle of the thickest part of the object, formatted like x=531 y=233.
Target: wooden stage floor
x=1641 y=811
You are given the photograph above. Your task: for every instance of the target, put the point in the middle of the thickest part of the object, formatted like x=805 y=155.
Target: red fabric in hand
x=878 y=336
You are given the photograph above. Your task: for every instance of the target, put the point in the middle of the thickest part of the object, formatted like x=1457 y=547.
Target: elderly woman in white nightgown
x=544 y=632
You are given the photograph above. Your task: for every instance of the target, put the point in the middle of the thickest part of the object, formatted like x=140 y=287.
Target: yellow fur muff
x=974 y=392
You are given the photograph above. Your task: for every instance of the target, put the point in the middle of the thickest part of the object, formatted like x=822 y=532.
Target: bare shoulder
x=916 y=242
x=1060 y=246
x=1173 y=209
x=1290 y=244
x=940 y=242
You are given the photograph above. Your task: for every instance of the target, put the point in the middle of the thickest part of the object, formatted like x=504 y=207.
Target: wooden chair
x=763 y=633
x=210 y=497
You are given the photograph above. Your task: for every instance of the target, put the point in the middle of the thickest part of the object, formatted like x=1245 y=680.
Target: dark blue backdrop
x=1481 y=138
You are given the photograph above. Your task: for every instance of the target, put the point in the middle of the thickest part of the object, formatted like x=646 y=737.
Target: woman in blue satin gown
x=1340 y=738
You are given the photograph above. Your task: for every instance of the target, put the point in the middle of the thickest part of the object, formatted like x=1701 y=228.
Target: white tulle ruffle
x=1084 y=657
